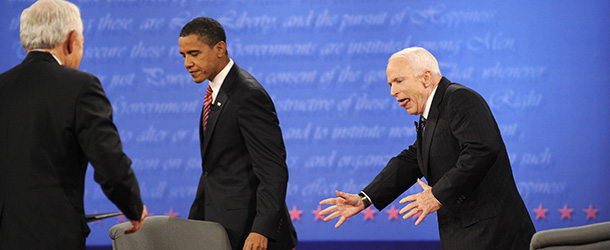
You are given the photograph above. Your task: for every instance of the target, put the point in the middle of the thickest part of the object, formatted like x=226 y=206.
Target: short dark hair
x=209 y=30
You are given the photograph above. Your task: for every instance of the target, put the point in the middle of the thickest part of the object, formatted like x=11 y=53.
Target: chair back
x=588 y=237
x=170 y=233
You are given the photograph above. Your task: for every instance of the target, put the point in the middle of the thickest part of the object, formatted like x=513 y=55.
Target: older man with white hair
x=460 y=152
x=54 y=120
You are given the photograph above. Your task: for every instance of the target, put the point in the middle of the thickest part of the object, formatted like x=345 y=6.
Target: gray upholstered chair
x=589 y=237
x=164 y=232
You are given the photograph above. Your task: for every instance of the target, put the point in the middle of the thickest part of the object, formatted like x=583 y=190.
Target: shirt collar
x=41 y=50
x=216 y=83
x=429 y=103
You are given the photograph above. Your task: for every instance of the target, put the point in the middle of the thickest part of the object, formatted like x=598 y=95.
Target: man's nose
x=393 y=91
x=187 y=62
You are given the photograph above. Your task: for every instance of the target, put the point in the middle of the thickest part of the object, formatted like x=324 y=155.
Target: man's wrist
x=365 y=199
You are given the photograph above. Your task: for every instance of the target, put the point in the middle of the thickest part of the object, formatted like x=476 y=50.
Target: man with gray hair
x=460 y=152
x=54 y=120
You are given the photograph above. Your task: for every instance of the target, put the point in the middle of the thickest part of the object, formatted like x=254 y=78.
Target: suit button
x=205 y=173
x=460 y=199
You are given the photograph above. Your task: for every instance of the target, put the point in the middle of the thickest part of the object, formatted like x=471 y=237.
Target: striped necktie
x=206 y=106
x=422 y=123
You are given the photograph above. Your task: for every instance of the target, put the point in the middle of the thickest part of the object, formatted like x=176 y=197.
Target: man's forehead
x=396 y=65
x=189 y=45
x=398 y=61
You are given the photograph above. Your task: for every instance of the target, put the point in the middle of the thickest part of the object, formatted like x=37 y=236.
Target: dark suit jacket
x=53 y=121
x=463 y=157
x=244 y=180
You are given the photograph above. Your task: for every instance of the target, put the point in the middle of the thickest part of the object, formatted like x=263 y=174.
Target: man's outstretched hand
x=345 y=205
x=423 y=202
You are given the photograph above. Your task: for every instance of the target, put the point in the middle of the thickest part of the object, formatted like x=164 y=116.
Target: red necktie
x=206 y=106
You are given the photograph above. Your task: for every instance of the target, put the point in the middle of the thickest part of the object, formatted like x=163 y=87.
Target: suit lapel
x=431 y=122
x=420 y=147
x=217 y=106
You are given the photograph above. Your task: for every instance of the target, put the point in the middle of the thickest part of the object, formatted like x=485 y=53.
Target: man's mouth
x=404 y=102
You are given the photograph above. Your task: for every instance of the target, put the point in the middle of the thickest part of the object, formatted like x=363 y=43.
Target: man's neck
x=50 y=51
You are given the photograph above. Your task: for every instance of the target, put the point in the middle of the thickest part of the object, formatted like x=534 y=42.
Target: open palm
x=346 y=205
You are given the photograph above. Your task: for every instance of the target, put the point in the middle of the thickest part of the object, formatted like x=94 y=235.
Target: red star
x=566 y=212
x=369 y=214
x=295 y=214
x=121 y=219
x=172 y=213
x=317 y=213
x=591 y=213
x=392 y=213
x=540 y=212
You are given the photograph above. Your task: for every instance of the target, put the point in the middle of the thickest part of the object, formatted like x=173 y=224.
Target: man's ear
x=221 y=49
x=70 y=41
x=427 y=78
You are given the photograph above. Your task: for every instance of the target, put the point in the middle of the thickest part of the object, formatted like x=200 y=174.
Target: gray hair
x=420 y=60
x=47 y=23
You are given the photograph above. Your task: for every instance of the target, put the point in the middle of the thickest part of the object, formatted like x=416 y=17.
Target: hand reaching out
x=424 y=202
x=345 y=205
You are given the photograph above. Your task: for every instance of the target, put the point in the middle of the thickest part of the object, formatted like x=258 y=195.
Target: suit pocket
x=478 y=213
x=237 y=202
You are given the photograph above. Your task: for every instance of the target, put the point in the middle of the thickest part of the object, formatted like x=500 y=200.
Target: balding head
x=420 y=60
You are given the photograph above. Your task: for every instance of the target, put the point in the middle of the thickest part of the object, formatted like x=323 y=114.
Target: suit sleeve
x=399 y=174
x=473 y=126
x=260 y=128
x=100 y=142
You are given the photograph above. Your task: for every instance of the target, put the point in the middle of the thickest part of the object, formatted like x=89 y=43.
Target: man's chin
x=411 y=112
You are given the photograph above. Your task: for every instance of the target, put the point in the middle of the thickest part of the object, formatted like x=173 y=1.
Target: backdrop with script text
x=542 y=66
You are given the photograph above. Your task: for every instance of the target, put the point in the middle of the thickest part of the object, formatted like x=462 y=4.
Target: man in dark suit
x=54 y=119
x=244 y=180
x=459 y=150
